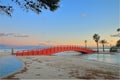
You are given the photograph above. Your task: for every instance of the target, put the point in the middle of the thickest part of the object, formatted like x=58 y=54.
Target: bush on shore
x=114 y=49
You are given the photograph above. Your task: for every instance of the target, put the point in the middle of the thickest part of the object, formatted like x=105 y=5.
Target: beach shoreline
x=65 y=67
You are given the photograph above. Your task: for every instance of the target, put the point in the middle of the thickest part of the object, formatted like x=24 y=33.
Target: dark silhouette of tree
x=34 y=5
x=96 y=37
x=118 y=43
x=103 y=42
x=118 y=30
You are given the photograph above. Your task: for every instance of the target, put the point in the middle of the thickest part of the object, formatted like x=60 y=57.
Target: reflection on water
x=67 y=53
x=9 y=64
x=109 y=58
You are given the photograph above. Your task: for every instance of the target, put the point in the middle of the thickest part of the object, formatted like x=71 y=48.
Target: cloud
x=13 y=34
x=116 y=35
x=10 y=34
x=48 y=41
x=21 y=35
x=84 y=14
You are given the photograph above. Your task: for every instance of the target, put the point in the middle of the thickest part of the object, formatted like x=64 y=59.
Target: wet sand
x=65 y=67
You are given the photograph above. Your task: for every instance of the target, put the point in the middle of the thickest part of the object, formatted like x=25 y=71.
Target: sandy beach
x=65 y=67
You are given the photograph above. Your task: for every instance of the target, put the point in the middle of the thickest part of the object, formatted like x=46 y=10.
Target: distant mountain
x=4 y=46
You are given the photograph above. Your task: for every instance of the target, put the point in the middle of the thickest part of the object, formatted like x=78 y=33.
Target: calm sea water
x=9 y=64
x=106 y=58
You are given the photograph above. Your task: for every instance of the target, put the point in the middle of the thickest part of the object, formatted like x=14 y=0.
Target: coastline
x=15 y=72
x=65 y=67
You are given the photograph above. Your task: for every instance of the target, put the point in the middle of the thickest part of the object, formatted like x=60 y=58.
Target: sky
x=71 y=24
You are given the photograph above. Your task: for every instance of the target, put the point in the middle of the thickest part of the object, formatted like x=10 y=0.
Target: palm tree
x=96 y=37
x=103 y=42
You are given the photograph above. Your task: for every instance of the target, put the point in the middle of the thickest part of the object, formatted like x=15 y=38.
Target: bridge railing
x=52 y=50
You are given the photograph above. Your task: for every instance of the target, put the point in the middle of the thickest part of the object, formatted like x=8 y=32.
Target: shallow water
x=107 y=58
x=9 y=64
x=67 y=53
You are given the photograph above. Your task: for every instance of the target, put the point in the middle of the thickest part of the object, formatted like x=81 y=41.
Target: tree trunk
x=103 y=48
x=85 y=45
x=97 y=47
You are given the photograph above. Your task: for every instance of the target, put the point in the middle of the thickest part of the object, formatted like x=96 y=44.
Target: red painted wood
x=53 y=50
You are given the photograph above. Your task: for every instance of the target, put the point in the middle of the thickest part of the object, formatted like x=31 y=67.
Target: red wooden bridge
x=52 y=50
